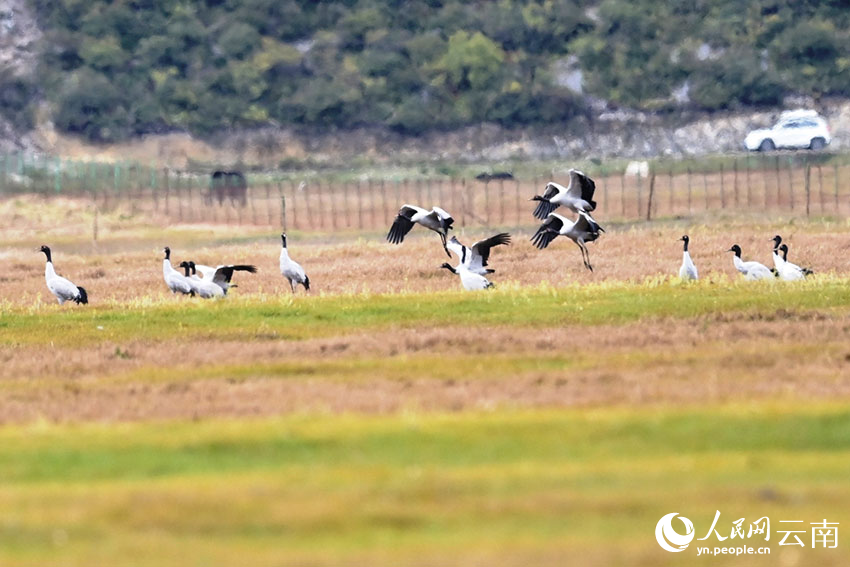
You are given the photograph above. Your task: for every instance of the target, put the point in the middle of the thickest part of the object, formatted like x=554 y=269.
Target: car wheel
x=817 y=144
x=767 y=145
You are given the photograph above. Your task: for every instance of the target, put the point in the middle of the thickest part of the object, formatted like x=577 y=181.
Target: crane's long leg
x=443 y=239
x=585 y=255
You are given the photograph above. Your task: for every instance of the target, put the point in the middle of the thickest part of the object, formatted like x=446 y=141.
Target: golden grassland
x=389 y=418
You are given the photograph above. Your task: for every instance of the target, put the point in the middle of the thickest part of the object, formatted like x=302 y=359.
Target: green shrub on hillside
x=112 y=70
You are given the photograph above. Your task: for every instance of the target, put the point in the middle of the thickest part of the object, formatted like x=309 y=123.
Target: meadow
x=389 y=418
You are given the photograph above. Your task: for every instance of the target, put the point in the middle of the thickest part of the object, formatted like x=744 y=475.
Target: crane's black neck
x=46 y=251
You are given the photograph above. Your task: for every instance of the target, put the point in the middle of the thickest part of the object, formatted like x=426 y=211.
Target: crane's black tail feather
x=83 y=297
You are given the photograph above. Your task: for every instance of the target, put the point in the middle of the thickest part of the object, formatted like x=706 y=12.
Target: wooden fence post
x=623 y=195
x=283 y=212
x=518 y=203
x=384 y=202
x=359 y=207
x=791 y=182
x=649 y=198
x=333 y=205
x=177 y=192
x=808 y=172
x=778 y=182
x=487 y=202
x=501 y=201
x=735 y=180
x=639 y=179
x=670 y=187
x=835 y=180
x=464 y=197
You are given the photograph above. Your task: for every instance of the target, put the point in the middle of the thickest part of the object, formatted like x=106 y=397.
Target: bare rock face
x=19 y=35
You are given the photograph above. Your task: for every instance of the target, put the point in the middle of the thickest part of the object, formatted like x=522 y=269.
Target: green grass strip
x=320 y=316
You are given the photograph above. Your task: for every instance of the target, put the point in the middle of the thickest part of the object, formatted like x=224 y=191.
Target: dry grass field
x=390 y=418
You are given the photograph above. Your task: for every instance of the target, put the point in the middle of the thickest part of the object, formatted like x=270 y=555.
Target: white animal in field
x=204 y=289
x=61 y=288
x=577 y=196
x=468 y=279
x=475 y=257
x=751 y=270
x=688 y=271
x=221 y=275
x=789 y=271
x=637 y=169
x=436 y=219
x=176 y=282
x=292 y=270
x=583 y=229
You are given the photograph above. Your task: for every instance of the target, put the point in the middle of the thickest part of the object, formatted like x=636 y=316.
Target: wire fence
x=782 y=183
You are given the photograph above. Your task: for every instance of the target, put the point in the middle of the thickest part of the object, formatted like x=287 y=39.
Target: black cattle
x=497 y=175
x=228 y=185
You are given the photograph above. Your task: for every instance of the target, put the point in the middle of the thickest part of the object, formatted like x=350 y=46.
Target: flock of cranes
x=782 y=268
x=472 y=268
x=577 y=197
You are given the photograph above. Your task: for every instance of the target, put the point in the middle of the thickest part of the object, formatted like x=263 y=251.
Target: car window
x=808 y=124
x=791 y=124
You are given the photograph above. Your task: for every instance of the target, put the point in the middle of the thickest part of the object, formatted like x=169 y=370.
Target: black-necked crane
x=688 y=271
x=470 y=281
x=436 y=219
x=201 y=288
x=63 y=289
x=577 y=196
x=221 y=275
x=176 y=282
x=582 y=230
x=789 y=271
x=777 y=259
x=752 y=270
x=475 y=257
x=292 y=270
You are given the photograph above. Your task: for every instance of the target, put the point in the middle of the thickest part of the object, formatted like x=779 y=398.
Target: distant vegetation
x=112 y=70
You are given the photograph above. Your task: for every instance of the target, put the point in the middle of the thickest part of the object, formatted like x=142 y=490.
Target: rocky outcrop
x=629 y=135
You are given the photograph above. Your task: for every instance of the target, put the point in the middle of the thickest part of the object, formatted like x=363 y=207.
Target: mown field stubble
x=389 y=418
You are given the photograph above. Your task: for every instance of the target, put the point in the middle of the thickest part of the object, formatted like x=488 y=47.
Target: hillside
x=532 y=78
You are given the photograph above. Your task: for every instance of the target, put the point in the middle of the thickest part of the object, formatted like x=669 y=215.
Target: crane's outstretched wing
x=544 y=205
x=582 y=187
x=402 y=224
x=223 y=274
x=547 y=232
x=481 y=249
x=586 y=223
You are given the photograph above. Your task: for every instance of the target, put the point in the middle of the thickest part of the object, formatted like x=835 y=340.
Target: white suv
x=795 y=129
